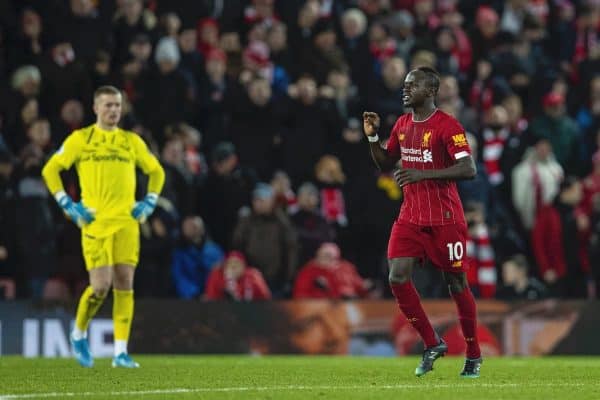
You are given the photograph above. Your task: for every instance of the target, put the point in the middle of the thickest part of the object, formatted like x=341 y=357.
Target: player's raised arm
x=379 y=153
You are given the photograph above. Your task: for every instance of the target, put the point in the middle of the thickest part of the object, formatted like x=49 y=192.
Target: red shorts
x=444 y=245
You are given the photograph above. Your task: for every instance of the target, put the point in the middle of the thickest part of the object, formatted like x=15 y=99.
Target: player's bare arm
x=371 y=124
x=463 y=169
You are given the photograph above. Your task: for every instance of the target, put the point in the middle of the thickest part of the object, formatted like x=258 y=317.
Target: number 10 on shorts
x=455 y=251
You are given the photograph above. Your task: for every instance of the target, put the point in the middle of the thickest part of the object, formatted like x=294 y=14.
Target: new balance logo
x=433 y=355
x=427 y=156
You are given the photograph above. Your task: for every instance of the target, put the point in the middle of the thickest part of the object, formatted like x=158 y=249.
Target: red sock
x=467 y=315
x=410 y=303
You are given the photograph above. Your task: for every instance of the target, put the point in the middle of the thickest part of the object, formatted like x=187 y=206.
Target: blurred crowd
x=254 y=108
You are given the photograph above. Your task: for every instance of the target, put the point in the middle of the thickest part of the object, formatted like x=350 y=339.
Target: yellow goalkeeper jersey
x=106 y=163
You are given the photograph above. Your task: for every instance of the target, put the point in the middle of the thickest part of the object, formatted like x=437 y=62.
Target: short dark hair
x=106 y=90
x=433 y=77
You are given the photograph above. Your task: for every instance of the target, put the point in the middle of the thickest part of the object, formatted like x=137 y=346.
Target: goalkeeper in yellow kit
x=106 y=157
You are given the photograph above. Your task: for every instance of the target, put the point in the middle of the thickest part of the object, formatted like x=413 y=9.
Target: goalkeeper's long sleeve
x=51 y=174
x=156 y=179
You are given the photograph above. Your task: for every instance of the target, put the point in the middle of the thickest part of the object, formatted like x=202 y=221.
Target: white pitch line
x=285 y=388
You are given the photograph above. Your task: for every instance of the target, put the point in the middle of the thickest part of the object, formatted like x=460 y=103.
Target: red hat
x=216 y=54
x=486 y=15
x=553 y=99
x=236 y=255
x=207 y=22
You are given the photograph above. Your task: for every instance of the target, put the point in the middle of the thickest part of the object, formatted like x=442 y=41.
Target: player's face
x=416 y=90
x=108 y=109
x=319 y=327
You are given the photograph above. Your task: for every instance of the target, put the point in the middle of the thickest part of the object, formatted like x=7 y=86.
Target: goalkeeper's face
x=108 y=109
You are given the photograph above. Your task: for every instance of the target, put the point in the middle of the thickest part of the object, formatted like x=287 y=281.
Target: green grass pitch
x=283 y=377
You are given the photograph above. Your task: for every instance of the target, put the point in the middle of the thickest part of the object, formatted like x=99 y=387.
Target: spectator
x=178 y=181
x=71 y=118
x=401 y=24
x=157 y=236
x=594 y=244
x=495 y=134
x=213 y=92
x=170 y=24
x=281 y=54
x=515 y=144
x=309 y=129
x=235 y=280
x=560 y=130
x=193 y=259
x=254 y=127
x=28 y=46
x=330 y=276
x=591 y=187
x=555 y=242
x=165 y=97
x=25 y=83
x=7 y=217
x=588 y=118
x=516 y=282
x=323 y=55
x=228 y=188
x=257 y=62
x=35 y=223
x=285 y=198
x=39 y=135
x=385 y=95
x=535 y=180
x=268 y=240
x=311 y=227
x=65 y=77
x=479 y=253
x=446 y=51
x=88 y=30
x=485 y=35
x=131 y=19
x=356 y=48
x=449 y=98
x=351 y=150
x=208 y=36
x=343 y=94
x=331 y=179
x=192 y=60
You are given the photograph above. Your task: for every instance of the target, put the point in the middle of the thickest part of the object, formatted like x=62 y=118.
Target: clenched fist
x=371 y=123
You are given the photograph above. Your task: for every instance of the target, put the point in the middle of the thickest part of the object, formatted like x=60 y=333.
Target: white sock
x=120 y=347
x=78 y=334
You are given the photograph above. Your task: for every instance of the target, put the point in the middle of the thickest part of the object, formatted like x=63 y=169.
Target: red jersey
x=435 y=143
x=250 y=286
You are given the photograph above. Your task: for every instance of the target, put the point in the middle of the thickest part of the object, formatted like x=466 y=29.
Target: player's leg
x=409 y=302
x=467 y=315
x=126 y=253
x=408 y=298
x=100 y=274
x=405 y=251
x=92 y=298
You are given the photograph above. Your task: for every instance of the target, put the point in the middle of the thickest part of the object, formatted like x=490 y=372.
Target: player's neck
x=105 y=127
x=424 y=112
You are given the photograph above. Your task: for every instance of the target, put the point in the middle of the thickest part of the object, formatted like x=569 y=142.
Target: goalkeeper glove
x=77 y=212
x=143 y=209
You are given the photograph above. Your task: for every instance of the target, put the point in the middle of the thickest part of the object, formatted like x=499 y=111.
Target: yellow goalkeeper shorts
x=122 y=247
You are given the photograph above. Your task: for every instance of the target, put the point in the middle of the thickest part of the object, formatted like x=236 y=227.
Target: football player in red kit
x=429 y=151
